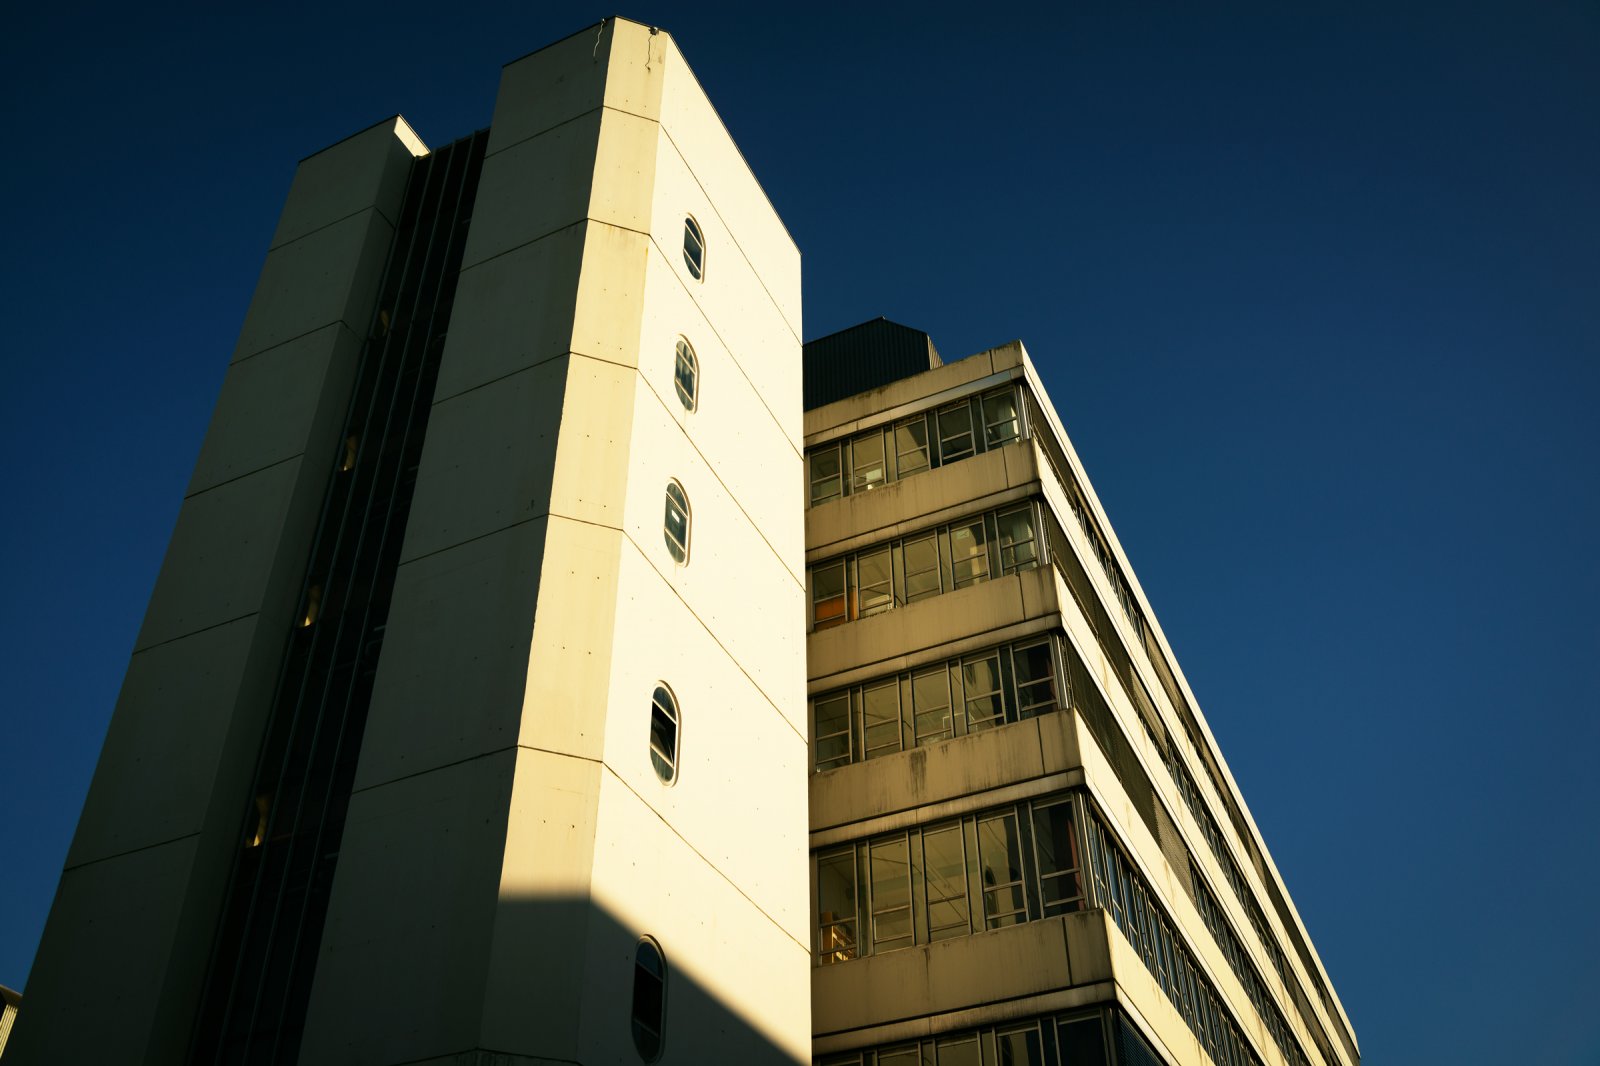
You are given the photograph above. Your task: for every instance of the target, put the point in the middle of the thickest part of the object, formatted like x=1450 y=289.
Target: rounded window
x=686 y=375
x=649 y=999
x=676 y=526
x=694 y=248
x=664 y=734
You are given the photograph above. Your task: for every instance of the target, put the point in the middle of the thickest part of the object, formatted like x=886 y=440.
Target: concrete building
x=491 y=571
x=1026 y=847
x=541 y=670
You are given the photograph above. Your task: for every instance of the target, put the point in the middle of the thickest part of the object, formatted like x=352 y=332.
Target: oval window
x=664 y=734
x=686 y=375
x=676 y=526
x=694 y=248
x=649 y=999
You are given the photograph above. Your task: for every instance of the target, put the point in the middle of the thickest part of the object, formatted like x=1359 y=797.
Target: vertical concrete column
x=119 y=969
x=413 y=917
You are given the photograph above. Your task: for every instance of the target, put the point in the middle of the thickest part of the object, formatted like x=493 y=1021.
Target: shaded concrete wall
x=126 y=944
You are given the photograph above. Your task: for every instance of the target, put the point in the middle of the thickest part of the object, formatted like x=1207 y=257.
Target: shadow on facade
x=565 y=981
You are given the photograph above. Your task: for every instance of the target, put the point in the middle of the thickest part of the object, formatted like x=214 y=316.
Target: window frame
x=666 y=763
x=684 y=356
x=678 y=498
x=943 y=690
x=692 y=230
x=937 y=447
x=659 y=976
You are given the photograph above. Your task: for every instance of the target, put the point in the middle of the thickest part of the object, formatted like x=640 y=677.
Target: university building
x=555 y=660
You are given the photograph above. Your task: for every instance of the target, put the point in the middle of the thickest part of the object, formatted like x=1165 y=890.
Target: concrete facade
x=1112 y=735
x=569 y=782
x=507 y=840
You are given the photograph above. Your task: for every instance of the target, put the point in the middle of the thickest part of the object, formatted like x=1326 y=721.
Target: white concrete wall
x=124 y=950
x=505 y=787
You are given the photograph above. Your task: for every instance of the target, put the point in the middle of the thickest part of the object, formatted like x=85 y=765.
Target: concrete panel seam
x=802 y=945
x=783 y=317
x=524 y=369
x=725 y=345
x=433 y=769
x=341 y=324
x=714 y=331
x=374 y=208
x=240 y=477
x=531 y=240
x=554 y=126
x=714 y=638
x=505 y=1058
x=124 y=854
x=141 y=648
x=409 y=559
x=683 y=428
x=336 y=323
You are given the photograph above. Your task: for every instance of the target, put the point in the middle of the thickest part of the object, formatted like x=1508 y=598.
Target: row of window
x=1076 y=1039
x=1246 y=896
x=939 y=437
x=1245 y=970
x=1118 y=887
x=1134 y=686
x=986 y=871
x=936 y=702
x=1002 y=867
x=1093 y=1037
x=926 y=564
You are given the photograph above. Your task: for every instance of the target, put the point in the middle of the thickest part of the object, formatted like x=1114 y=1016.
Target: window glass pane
x=875 y=582
x=649 y=1000
x=827 y=595
x=980 y=681
x=946 y=872
x=1057 y=846
x=960 y=1051
x=676 y=524
x=880 y=715
x=866 y=462
x=1082 y=1041
x=969 y=554
x=955 y=433
x=1000 y=857
x=922 y=567
x=930 y=701
x=825 y=480
x=1036 y=682
x=911 y=447
x=664 y=734
x=1000 y=417
x=1018 y=548
x=836 y=906
x=833 y=731
x=900 y=1056
x=694 y=248
x=686 y=374
x=1020 y=1047
x=891 y=895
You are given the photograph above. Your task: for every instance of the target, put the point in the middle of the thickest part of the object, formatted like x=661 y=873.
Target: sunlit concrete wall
x=125 y=947
x=508 y=842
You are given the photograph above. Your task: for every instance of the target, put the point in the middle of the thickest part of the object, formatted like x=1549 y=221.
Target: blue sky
x=1316 y=292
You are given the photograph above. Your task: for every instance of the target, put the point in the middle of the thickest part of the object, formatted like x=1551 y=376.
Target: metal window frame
x=677 y=498
x=685 y=358
x=696 y=262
